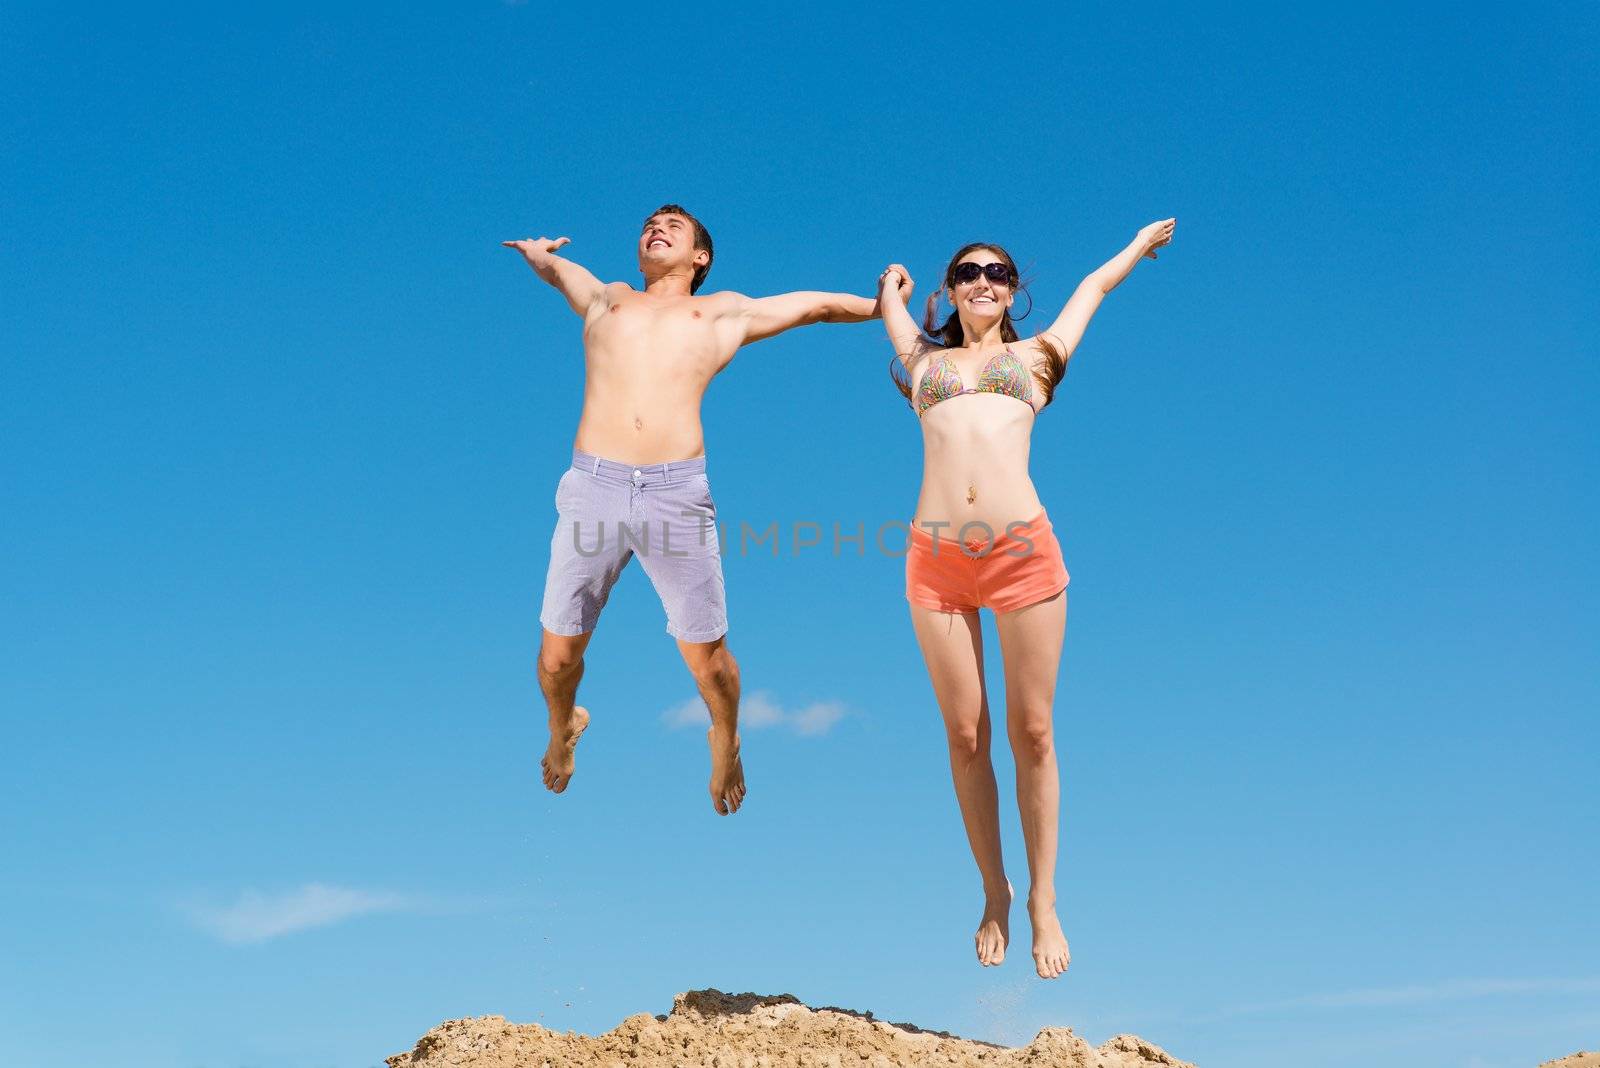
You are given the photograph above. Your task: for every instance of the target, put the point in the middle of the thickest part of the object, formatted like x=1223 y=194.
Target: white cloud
x=691 y=713
x=818 y=718
x=758 y=711
x=256 y=917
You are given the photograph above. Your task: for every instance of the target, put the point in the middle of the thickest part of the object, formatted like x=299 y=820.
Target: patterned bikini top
x=1003 y=374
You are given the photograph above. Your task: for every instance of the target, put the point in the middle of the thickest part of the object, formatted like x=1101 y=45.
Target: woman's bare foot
x=559 y=759
x=727 y=771
x=1050 y=953
x=994 y=930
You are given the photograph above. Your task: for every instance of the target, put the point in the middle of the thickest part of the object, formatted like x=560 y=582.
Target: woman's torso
x=976 y=441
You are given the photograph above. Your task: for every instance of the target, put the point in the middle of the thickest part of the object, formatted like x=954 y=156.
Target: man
x=638 y=482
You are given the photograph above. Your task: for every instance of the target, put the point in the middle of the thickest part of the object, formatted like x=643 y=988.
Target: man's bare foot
x=558 y=759
x=1050 y=953
x=727 y=771
x=994 y=930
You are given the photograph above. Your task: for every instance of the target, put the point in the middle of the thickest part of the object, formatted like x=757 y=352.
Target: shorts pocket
x=703 y=493
x=564 y=491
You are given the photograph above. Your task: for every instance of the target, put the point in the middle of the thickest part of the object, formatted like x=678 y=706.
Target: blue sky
x=282 y=425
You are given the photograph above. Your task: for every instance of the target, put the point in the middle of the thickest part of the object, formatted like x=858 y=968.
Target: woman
x=976 y=388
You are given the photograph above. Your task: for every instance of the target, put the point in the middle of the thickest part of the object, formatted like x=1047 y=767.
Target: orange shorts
x=1019 y=566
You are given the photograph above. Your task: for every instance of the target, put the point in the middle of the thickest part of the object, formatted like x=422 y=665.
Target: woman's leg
x=952 y=645
x=1030 y=645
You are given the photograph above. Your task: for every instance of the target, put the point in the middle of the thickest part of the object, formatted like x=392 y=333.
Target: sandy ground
x=710 y=1029
x=1579 y=1059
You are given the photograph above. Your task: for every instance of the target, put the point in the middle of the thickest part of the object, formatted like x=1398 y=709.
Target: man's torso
x=647 y=362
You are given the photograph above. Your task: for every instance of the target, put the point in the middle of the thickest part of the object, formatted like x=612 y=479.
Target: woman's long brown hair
x=950 y=335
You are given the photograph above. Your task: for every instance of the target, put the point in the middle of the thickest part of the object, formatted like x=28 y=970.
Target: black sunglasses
x=997 y=273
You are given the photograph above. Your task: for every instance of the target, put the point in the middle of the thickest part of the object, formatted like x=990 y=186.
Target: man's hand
x=581 y=288
x=535 y=249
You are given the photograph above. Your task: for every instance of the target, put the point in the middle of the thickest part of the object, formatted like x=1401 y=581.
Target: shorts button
x=637 y=472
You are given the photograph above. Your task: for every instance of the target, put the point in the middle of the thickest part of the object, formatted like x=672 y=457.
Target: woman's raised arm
x=1074 y=318
x=894 y=293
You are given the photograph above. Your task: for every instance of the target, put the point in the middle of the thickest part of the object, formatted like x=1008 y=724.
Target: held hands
x=533 y=249
x=1155 y=235
x=895 y=281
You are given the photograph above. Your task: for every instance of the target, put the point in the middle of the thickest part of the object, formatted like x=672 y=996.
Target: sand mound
x=1579 y=1059
x=710 y=1029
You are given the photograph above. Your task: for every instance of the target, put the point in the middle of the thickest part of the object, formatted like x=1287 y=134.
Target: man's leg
x=560 y=669
x=587 y=555
x=716 y=674
x=684 y=563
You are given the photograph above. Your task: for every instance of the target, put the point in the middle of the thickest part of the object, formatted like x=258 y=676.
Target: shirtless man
x=637 y=482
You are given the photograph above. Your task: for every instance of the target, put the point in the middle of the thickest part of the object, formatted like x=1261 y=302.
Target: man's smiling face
x=666 y=242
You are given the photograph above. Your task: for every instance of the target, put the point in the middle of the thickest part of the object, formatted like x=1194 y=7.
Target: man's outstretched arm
x=575 y=282
x=765 y=317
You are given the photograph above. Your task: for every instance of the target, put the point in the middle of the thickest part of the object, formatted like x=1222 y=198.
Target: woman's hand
x=896 y=280
x=1155 y=235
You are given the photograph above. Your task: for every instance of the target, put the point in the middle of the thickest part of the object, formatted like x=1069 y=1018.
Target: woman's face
x=982 y=298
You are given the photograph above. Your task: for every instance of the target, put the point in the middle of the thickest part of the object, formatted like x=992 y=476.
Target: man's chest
x=684 y=322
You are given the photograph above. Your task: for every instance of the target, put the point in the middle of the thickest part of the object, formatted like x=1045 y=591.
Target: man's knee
x=559 y=658
x=715 y=670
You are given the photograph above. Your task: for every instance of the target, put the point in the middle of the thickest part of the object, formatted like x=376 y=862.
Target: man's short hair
x=702 y=239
